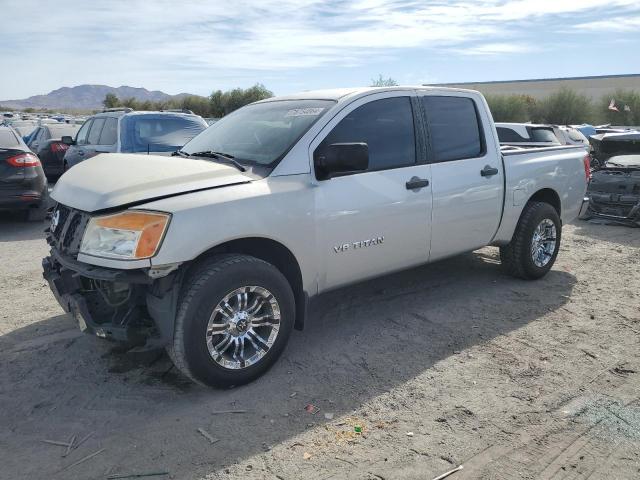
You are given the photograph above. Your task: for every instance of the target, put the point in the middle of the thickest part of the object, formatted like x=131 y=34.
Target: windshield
x=159 y=133
x=260 y=133
x=59 y=131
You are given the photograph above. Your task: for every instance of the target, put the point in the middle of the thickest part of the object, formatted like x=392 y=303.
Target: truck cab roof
x=338 y=94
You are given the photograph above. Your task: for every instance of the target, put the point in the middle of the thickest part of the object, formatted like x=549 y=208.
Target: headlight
x=128 y=235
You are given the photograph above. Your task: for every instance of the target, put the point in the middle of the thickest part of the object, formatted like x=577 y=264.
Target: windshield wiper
x=225 y=157
x=179 y=153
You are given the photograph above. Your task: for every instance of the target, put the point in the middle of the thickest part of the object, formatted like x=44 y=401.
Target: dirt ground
x=448 y=364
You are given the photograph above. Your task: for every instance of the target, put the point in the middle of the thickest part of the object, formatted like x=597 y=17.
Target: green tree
x=110 y=101
x=216 y=106
x=564 y=107
x=383 y=82
x=622 y=98
x=223 y=103
x=511 y=108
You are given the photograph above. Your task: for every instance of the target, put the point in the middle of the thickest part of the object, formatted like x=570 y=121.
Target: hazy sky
x=198 y=46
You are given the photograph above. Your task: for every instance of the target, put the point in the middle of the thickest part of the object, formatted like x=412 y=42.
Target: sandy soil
x=448 y=364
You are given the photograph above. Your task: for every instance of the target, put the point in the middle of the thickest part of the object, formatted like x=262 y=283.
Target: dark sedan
x=47 y=145
x=23 y=185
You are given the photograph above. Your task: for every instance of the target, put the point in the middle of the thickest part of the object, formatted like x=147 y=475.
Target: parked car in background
x=586 y=129
x=23 y=185
x=602 y=129
x=607 y=145
x=24 y=127
x=129 y=131
x=614 y=191
x=215 y=253
x=526 y=135
x=570 y=136
x=46 y=143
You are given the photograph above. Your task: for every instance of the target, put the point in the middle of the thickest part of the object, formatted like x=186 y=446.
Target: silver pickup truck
x=213 y=253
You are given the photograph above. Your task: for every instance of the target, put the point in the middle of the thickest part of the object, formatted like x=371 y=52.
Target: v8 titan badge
x=357 y=245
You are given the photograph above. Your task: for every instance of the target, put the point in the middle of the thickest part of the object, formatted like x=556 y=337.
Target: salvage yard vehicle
x=526 y=135
x=124 y=130
x=46 y=143
x=614 y=190
x=570 y=136
x=23 y=185
x=214 y=254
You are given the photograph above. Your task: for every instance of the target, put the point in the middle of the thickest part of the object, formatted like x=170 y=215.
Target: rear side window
x=81 y=138
x=454 y=128
x=545 y=135
x=158 y=133
x=576 y=136
x=109 y=133
x=509 y=135
x=96 y=129
x=8 y=139
x=386 y=126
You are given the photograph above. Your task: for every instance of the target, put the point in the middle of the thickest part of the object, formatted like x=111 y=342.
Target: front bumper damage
x=121 y=305
x=614 y=195
x=136 y=306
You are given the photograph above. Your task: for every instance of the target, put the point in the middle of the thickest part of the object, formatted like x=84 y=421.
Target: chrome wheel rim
x=543 y=244
x=243 y=327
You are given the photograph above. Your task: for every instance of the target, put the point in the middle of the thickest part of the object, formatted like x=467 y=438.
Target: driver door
x=374 y=222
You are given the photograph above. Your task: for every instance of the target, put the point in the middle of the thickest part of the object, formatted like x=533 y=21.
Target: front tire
x=535 y=243
x=235 y=316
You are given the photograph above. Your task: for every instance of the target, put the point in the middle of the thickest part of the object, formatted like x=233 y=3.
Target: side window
x=94 y=133
x=386 y=126
x=454 y=128
x=508 y=135
x=543 y=134
x=45 y=135
x=109 y=133
x=81 y=137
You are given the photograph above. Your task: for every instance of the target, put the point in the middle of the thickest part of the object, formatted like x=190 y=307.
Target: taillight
x=59 y=147
x=23 y=160
x=587 y=167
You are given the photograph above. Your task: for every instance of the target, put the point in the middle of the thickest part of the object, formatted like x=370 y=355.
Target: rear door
x=32 y=139
x=108 y=136
x=76 y=153
x=467 y=175
x=39 y=140
x=91 y=149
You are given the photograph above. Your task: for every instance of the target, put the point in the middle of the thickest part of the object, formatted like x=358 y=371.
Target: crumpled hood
x=115 y=179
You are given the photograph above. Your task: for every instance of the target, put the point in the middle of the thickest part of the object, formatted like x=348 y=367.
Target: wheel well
x=277 y=255
x=549 y=196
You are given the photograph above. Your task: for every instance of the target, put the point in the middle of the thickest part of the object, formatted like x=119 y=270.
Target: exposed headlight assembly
x=130 y=235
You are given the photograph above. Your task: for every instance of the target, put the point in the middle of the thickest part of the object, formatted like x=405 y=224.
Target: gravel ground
x=448 y=364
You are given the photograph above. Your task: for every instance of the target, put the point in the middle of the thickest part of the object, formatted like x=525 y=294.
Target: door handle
x=417 y=183
x=80 y=152
x=488 y=171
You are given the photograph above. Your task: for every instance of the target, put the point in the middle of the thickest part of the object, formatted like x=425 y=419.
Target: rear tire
x=535 y=243
x=39 y=213
x=215 y=283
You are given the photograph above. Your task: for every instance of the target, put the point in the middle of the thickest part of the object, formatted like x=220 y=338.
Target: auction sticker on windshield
x=301 y=112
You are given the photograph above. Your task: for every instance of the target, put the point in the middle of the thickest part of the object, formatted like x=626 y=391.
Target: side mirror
x=339 y=158
x=67 y=140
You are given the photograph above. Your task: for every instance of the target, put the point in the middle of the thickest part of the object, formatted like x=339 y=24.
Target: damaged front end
x=133 y=306
x=614 y=194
